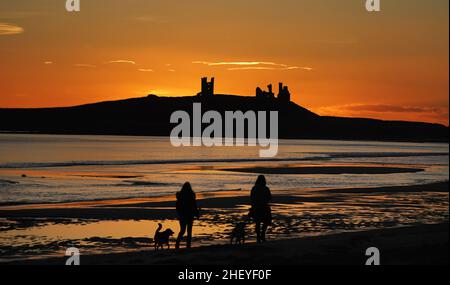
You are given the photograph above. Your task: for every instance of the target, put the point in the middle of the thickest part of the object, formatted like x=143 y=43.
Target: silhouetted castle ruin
x=265 y=94
x=283 y=93
x=207 y=88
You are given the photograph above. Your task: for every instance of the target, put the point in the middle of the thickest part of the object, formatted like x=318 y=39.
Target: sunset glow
x=337 y=58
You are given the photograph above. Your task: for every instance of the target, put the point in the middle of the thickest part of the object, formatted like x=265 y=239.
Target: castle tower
x=207 y=87
x=270 y=88
x=211 y=87
x=283 y=93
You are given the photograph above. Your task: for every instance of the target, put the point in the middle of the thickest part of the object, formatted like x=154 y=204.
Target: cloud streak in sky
x=269 y=68
x=122 y=61
x=238 y=63
x=252 y=65
x=85 y=65
x=10 y=29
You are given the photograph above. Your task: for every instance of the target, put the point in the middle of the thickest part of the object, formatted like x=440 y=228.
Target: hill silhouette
x=150 y=116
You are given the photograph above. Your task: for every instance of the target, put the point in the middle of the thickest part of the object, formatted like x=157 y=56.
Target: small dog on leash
x=238 y=234
x=162 y=238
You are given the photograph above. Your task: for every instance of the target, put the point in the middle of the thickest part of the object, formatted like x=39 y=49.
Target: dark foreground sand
x=418 y=245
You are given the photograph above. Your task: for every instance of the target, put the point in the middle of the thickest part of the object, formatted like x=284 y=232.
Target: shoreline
x=318 y=138
x=141 y=208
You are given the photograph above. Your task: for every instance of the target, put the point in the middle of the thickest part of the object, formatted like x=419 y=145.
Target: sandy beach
x=416 y=245
x=306 y=237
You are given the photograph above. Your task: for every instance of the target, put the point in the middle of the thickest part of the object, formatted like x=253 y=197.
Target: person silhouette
x=260 y=210
x=187 y=210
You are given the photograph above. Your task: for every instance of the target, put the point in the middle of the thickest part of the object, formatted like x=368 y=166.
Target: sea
x=59 y=168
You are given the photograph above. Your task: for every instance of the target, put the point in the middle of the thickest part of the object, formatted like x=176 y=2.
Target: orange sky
x=337 y=58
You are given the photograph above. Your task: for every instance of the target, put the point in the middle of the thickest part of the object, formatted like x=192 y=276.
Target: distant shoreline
x=150 y=116
x=168 y=137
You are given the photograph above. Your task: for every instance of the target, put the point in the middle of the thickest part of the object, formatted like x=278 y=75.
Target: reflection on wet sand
x=123 y=225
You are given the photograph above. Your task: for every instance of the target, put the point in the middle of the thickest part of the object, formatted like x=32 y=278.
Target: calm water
x=49 y=168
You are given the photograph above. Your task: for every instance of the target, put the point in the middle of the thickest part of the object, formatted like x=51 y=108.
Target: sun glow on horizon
x=340 y=62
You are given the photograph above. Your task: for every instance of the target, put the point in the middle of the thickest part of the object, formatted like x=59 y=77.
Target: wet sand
x=325 y=170
x=164 y=207
x=417 y=245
